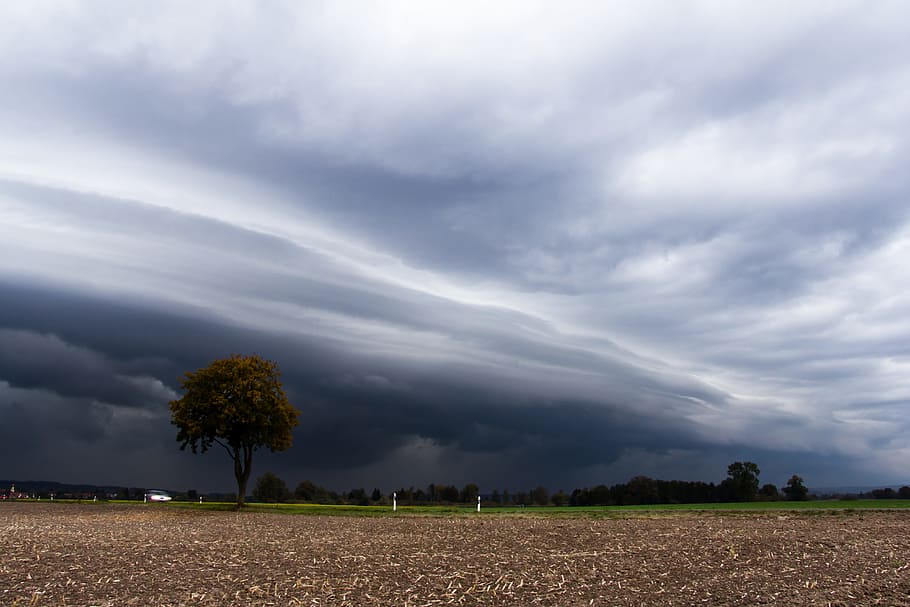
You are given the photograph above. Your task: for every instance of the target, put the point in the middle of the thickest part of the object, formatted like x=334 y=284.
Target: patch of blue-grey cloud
x=667 y=235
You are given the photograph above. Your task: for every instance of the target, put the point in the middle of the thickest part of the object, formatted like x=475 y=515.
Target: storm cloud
x=510 y=245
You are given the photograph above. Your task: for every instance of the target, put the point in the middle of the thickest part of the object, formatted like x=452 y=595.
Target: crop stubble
x=109 y=555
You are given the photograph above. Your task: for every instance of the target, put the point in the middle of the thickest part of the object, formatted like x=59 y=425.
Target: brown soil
x=105 y=555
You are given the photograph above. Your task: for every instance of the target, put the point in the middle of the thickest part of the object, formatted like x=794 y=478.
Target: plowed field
x=108 y=555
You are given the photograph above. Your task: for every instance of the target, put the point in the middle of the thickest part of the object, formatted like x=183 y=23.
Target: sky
x=512 y=244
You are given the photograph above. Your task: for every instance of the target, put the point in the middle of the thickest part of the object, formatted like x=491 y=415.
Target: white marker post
x=394 y=502
x=478 y=503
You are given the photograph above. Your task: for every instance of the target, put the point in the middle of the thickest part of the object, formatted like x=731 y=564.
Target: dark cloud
x=30 y=360
x=357 y=409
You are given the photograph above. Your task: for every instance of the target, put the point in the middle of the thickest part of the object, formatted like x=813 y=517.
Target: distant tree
x=768 y=492
x=271 y=489
x=409 y=495
x=469 y=493
x=540 y=495
x=308 y=491
x=559 y=498
x=305 y=491
x=886 y=493
x=358 y=497
x=743 y=480
x=601 y=495
x=579 y=497
x=904 y=493
x=447 y=493
x=402 y=495
x=496 y=497
x=237 y=403
x=642 y=490
x=796 y=490
x=376 y=496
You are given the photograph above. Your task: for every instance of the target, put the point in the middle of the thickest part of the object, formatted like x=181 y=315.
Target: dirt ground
x=106 y=555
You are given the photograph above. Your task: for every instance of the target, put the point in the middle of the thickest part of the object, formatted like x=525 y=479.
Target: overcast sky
x=510 y=243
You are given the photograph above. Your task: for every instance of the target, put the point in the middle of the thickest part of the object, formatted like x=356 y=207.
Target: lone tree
x=239 y=404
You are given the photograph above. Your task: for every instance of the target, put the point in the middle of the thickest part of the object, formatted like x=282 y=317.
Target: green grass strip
x=563 y=511
x=818 y=506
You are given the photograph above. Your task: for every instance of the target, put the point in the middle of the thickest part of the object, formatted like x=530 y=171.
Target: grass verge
x=564 y=511
x=816 y=506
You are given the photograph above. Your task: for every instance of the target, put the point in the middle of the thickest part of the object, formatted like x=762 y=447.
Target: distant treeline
x=643 y=490
x=885 y=494
x=638 y=491
x=741 y=485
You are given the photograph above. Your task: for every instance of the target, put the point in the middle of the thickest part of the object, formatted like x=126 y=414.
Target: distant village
x=13 y=494
x=9 y=490
x=28 y=492
x=51 y=490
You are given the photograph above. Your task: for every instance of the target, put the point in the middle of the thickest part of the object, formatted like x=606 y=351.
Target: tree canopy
x=742 y=479
x=796 y=490
x=270 y=488
x=239 y=404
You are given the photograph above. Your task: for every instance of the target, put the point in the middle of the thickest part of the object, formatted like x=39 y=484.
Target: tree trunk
x=243 y=465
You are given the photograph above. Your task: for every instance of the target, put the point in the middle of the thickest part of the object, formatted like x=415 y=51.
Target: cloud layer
x=500 y=245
